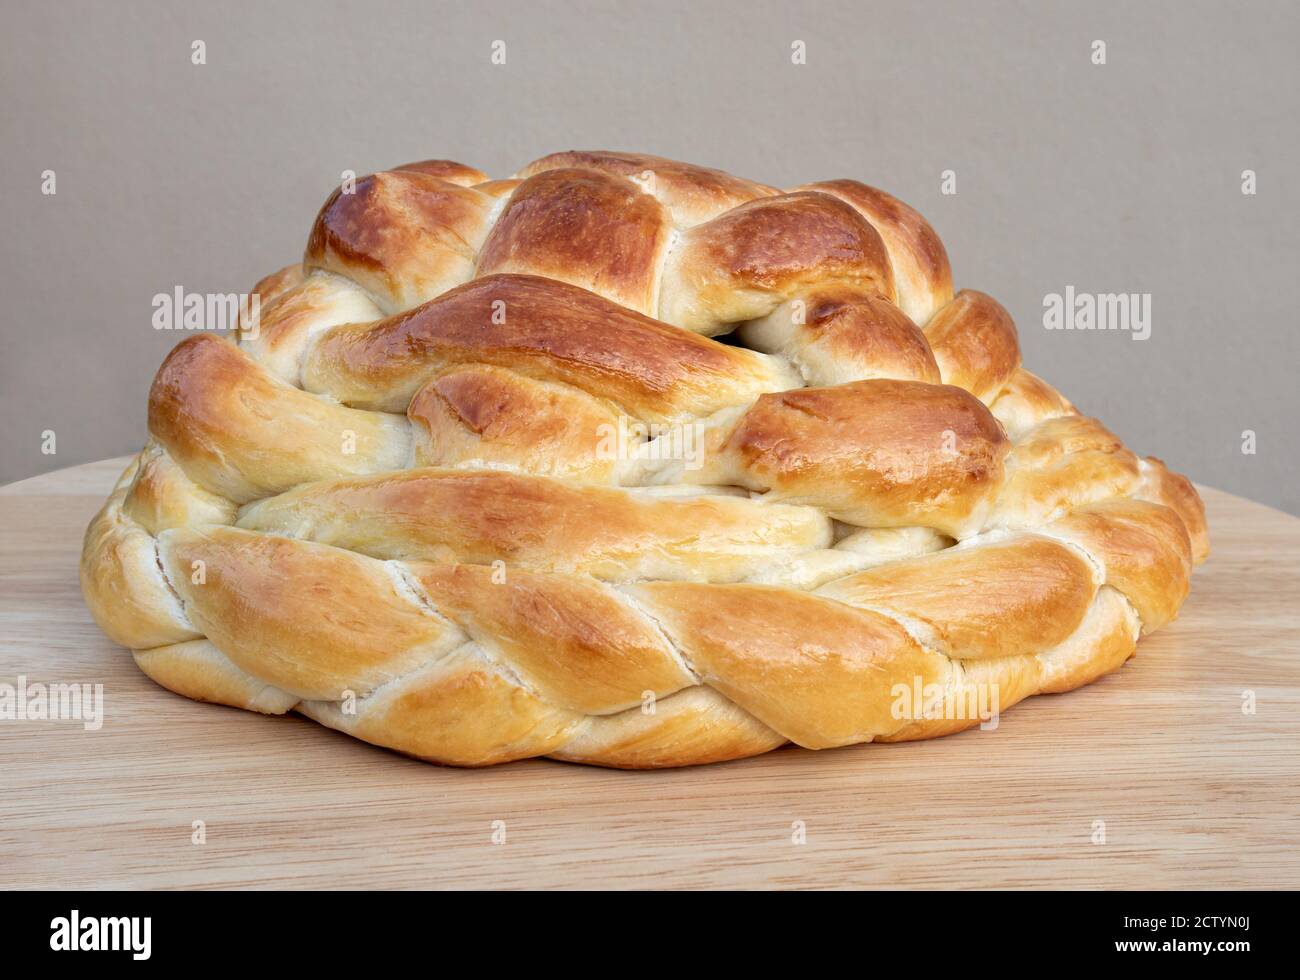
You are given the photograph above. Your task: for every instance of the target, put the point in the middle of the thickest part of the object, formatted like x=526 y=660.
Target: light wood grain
x=1193 y=792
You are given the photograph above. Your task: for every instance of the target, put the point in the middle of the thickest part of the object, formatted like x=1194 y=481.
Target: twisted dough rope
x=389 y=507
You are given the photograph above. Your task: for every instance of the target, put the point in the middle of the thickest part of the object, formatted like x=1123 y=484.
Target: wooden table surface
x=1160 y=760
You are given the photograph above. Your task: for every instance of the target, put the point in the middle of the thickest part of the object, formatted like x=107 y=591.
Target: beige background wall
x=1117 y=178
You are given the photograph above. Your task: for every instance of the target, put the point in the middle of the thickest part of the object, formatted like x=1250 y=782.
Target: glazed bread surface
x=628 y=462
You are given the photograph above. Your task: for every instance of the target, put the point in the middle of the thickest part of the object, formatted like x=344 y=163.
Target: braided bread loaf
x=392 y=503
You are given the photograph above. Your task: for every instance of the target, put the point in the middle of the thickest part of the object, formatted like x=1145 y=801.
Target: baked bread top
x=629 y=462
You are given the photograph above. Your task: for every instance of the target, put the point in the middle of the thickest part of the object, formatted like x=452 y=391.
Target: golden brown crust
x=160 y=496
x=448 y=170
x=497 y=188
x=1060 y=465
x=456 y=711
x=291 y=320
x=921 y=272
x=690 y=728
x=269 y=287
x=240 y=432
x=198 y=670
x=975 y=344
x=1104 y=641
x=581 y=227
x=1026 y=401
x=1020 y=596
x=312 y=620
x=1143 y=549
x=1162 y=486
x=742 y=265
x=571 y=640
x=403 y=237
x=873 y=453
x=480 y=416
x=470 y=484
x=546 y=330
x=123 y=585
x=693 y=194
x=535 y=522
x=817 y=671
x=837 y=333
